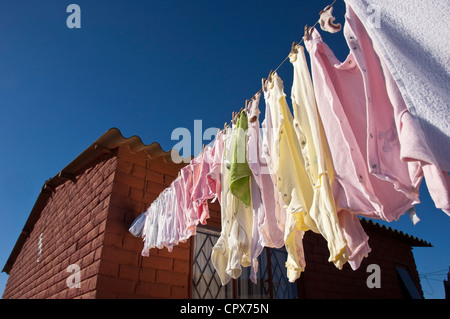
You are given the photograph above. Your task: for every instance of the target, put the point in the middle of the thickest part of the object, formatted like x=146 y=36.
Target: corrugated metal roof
x=413 y=241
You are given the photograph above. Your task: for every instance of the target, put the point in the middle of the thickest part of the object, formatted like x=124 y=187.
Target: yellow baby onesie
x=292 y=180
x=317 y=158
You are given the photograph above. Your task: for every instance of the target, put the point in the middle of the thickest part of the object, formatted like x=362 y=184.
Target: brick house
x=81 y=219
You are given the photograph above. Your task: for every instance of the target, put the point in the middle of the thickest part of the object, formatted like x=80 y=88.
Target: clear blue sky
x=147 y=67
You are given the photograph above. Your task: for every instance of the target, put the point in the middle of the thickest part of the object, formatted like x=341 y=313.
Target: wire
x=429 y=285
x=315 y=24
x=433 y=272
x=260 y=90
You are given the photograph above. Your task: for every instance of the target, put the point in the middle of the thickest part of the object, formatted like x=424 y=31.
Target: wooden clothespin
x=254 y=96
x=324 y=9
x=247 y=103
x=294 y=48
x=306 y=36
x=294 y=51
x=251 y=111
x=269 y=81
x=269 y=78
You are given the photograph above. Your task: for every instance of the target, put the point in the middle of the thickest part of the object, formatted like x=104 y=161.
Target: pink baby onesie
x=200 y=190
x=370 y=178
x=214 y=176
x=265 y=230
x=413 y=148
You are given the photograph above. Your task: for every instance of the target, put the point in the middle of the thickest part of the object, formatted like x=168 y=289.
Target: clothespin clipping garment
x=268 y=84
x=294 y=51
x=306 y=36
x=326 y=20
x=294 y=48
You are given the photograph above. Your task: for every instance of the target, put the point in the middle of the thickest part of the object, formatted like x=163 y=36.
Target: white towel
x=412 y=36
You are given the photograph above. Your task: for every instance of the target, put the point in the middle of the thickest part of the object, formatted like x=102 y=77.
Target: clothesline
x=287 y=57
x=315 y=169
x=315 y=24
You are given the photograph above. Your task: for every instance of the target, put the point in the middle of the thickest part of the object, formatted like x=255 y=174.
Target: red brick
x=88 y=284
x=93 y=233
x=126 y=203
x=124 y=166
x=139 y=171
x=159 y=165
x=108 y=268
x=171 y=278
x=90 y=270
x=119 y=256
x=128 y=272
x=105 y=193
x=155 y=177
x=121 y=188
x=85 y=250
x=88 y=295
x=157 y=262
x=88 y=259
x=147 y=274
x=60 y=295
x=154 y=188
x=179 y=293
x=116 y=285
x=125 y=154
x=129 y=180
x=177 y=253
x=132 y=243
x=113 y=239
x=137 y=194
x=116 y=213
x=152 y=290
x=181 y=266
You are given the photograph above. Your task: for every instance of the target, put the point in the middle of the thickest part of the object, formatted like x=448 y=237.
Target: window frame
x=268 y=254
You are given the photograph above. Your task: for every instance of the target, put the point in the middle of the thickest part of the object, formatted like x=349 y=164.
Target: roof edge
x=106 y=143
x=411 y=240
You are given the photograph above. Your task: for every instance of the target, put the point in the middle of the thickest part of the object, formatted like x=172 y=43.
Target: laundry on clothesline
x=349 y=148
x=408 y=38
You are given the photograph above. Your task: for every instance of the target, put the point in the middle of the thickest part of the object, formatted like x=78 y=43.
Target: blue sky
x=147 y=68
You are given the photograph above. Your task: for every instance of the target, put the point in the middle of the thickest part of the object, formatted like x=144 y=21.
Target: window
x=409 y=289
x=272 y=278
x=205 y=281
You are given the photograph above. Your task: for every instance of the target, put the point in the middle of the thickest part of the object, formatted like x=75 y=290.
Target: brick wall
x=323 y=280
x=123 y=272
x=86 y=223
x=72 y=225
